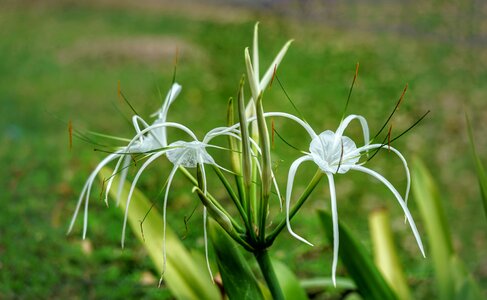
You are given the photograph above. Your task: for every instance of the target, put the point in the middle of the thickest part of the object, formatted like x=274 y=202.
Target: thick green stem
x=269 y=275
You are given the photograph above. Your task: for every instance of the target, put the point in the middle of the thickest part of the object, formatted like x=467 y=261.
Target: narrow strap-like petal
x=401 y=157
x=132 y=188
x=399 y=199
x=336 y=238
x=90 y=180
x=344 y=124
x=164 y=210
x=289 y=190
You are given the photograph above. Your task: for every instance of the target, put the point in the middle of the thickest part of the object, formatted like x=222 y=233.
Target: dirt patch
x=144 y=50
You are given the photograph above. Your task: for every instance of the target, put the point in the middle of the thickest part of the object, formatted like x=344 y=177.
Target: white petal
x=289 y=190
x=90 y=180
x=344 y=124
x=399 y=199
x=205 y=237
x=164 y=209
x=336 y=238
x=123 y=176
x=132 y=187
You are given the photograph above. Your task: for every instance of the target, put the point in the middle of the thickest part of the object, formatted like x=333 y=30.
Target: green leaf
x=453 y=280
x=429 y=203
x=290 y=285
x=238 y=280
x=359 y=264
x=385 y=253
x=481 y=175
x=186 y=278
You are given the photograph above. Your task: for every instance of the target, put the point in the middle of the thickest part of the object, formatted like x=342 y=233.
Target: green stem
x=304 y=196
x=269 y=275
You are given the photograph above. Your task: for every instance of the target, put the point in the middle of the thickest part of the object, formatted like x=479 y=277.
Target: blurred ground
x=60 y=61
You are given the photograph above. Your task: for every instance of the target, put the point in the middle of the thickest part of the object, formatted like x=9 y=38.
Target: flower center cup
x=188 y=154
x=333 y=154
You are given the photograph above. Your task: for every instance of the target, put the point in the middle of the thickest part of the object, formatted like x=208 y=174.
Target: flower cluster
x=331 y=151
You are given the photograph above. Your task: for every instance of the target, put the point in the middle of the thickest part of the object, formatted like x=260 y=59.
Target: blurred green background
x=60 y=61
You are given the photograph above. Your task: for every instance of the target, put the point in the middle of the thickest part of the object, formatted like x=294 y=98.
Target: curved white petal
x=289 y=190
x=110 y=181
x=89 y=182
x=336 y=238
x=205 y=237
x=132 y=188
x=164 y=209
x=123 y=176
x=344 y=124
x=401 y=157
x=160 y=125
x=399 y=199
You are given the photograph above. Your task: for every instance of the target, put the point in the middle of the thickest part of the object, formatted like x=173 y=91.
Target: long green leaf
x=385 y=253
x=238 y=280
x=453 y=281
x=359 y=264
x=186 y=278
x=290 y=285
x=479 y=167
x=429 y=203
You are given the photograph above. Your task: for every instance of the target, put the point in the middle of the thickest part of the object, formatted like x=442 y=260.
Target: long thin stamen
x=392 y=113
x=350 y=91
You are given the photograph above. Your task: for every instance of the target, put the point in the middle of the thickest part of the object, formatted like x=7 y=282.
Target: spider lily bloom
x=187 y=154
x=153 y=140
x=335 y=153
x=145 y=142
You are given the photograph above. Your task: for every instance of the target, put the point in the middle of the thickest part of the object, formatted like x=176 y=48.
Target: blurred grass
x=61 y=61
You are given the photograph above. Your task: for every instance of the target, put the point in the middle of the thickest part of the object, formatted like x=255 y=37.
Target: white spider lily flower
x=188 y=154
x=153 y=140
x=144 y=143
x=335 y=153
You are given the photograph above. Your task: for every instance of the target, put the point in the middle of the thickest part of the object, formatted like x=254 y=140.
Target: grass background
x=60 y=61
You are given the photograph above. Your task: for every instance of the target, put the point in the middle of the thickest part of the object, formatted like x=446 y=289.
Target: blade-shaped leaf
x=453 y=280
x=428 y=198
x=479 y=167
x=238 y=280
x=186 y=278
x=385 y=253
x=359 y=264
x=290 y=285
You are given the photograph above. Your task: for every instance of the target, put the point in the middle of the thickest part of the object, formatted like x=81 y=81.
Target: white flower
x=144 y=143
x=335 y=153
x=190 y=154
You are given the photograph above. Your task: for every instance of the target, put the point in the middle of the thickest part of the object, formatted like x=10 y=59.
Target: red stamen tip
x=273 y=75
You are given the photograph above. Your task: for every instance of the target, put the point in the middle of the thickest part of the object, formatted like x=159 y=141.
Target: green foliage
x=359 y=264
x=479 y=167
x=291 y=287
x=238 y=279
x=385 y=253
x=452 y=280
x=185 y=277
